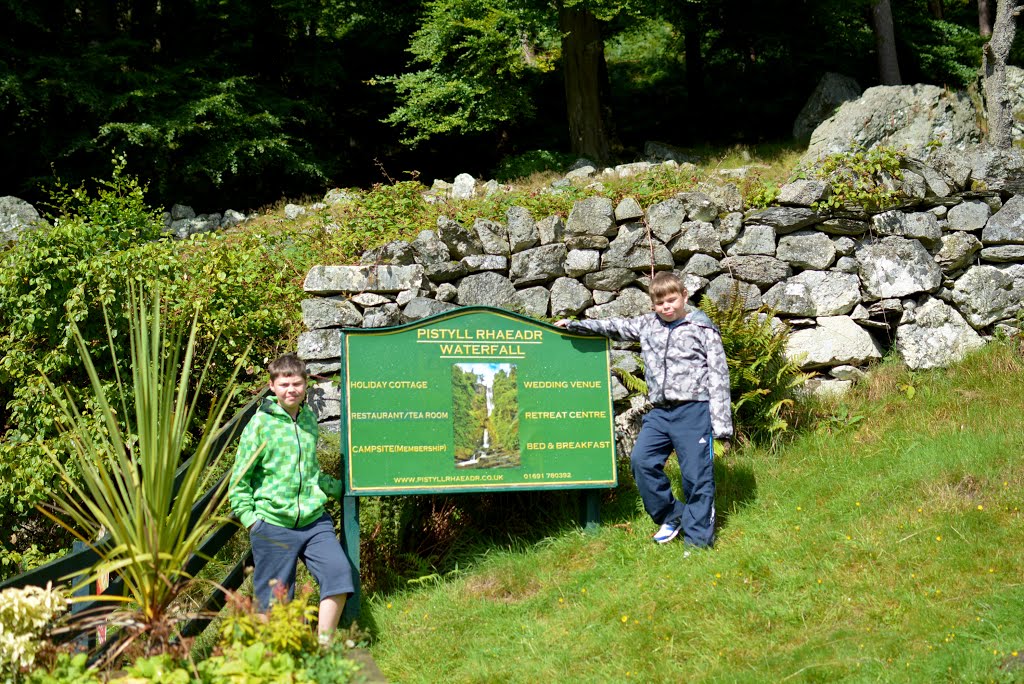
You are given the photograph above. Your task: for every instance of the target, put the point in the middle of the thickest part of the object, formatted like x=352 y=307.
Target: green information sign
x=476 y=399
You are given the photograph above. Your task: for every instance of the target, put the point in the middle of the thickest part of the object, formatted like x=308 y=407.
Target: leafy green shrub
x=761 y=377
x=66 y=669
x=861 y=179
x=24 y=613
x=50 y=278
x=247 y=286
x=759 y=193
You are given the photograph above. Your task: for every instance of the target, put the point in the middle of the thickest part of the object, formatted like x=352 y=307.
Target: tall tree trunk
x=997 y=50
x=885 y=43
x=582 y=54
x=935 y=8
x=985 y=18
x=692 y=36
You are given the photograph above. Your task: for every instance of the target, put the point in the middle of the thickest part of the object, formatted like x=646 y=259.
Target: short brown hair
x=286 y=364
x=665 y=283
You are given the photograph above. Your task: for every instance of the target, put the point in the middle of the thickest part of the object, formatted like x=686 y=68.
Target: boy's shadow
x=735 y=488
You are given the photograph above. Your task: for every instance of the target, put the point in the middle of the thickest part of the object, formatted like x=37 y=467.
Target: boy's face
x=670 y=307
x=290 y=391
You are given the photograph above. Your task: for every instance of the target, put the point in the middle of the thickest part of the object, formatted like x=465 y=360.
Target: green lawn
x=882 y=545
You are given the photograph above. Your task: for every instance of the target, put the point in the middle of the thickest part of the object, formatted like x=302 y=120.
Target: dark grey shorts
x=276 y=550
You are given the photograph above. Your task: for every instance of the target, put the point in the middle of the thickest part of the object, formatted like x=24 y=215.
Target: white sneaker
x=668 y=531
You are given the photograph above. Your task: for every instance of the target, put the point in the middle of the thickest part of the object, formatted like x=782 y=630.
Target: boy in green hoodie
x=278 y=493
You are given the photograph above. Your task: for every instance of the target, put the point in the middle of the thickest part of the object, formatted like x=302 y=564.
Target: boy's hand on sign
x=564 y=323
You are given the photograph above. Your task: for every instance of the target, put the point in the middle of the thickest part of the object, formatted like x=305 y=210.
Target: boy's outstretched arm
x=626 y=329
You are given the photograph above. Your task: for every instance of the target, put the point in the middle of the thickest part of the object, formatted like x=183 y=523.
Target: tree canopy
x=231 y=103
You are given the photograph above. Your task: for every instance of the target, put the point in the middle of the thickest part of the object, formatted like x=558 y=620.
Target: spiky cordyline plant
x=125 y=487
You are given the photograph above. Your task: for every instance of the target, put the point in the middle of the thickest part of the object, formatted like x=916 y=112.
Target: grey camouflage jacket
x=683 y=363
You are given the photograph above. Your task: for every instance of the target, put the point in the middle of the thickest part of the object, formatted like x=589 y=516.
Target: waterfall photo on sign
x=485 y=413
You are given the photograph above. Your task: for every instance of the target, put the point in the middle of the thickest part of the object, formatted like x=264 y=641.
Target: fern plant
x=762 y=379
x=634 y=383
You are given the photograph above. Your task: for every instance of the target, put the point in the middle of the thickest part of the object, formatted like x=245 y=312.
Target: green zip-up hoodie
x=276 y=477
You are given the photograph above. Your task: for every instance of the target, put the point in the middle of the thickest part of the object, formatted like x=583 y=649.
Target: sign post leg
x=590 y=506
x=350 y=528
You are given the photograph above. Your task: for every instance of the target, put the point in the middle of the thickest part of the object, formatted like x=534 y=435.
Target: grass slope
x=885 y=545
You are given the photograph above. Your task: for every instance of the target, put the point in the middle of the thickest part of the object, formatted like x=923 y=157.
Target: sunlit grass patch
x=881 y=550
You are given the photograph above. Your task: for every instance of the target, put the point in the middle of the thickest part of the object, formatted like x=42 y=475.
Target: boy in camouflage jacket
x=278 y=493
x=688 y=383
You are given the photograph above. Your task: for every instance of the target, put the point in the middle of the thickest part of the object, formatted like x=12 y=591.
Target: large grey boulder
x=317 y=345
x=330 y=312
x=592 y=216
x=666 y=219
x=1007 y=225
x=628 y=210
x=16 y=216
x=755 y=239
x=937 y=337
x=694 y=237
x=898 y=116
x=784 y=219
x=421 y=307
x=922 y=226
x=957 y=252
x=522 y=229
x=459 y=241
x=429 y=249
x=551 y=229
x=986 y=294
x=396 y=253
x=630 y=302
x=633 y=249
x=803 y=193
x=997 y=169
x=445 y=271
x=569 y=297
x=806 y=249
x=186 y=227
x=485 y=262
x=330 y=280
x=897 y=267
x=724 y=289
x=538 y=265
x=699 y=206
x=815 y=293
x=464 y=187
x=609 y=279
x=832 y=90
x=837 y=340
x=582 y=261
x=493 y=236
x=764 y=271
x=532 y=301
x=843 y=226
x=726 y=196
x=728 y=227
x=384 y=316
x=1002 y=254
x=969 y=215
x=486 y=289
x=325 y=400
x=702 y=265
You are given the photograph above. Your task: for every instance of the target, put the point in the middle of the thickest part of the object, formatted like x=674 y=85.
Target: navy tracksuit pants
x=686 y=428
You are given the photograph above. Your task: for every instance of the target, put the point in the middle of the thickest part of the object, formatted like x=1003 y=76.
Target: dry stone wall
x=932 y=279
